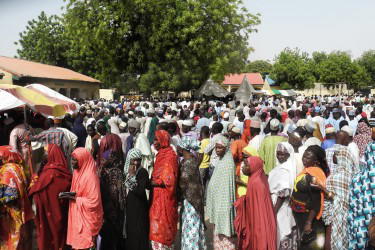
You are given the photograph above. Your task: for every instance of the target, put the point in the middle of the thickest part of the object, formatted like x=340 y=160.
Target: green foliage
x=44 y=41
x=292 y=68
x=258 y=66
x=171 y=44
x=367 y=61
x=297 y=70
x=339 y=67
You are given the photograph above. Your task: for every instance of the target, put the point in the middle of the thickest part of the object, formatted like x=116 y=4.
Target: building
x=67 y=82
x=233 y=81
x=327 y=89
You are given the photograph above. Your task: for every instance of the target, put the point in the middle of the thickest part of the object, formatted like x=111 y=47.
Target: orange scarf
x=318 y=173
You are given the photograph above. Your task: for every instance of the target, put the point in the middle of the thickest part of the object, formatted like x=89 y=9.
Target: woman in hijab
x=163 y=210
x=361 y=205
x=113 y=199
x=335 y=211
x=255 y=221
x=15 y=206
x=54 y=178
x=113 y=143
x=85 y=205
x=137 y=207
x=307 y=200
x=221 y=195
x=363 y=137
x=192 y=195
x=243 y=179
x=281 y=180
x=80 y=131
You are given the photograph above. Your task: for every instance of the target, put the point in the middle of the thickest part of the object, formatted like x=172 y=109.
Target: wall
x=320 y=89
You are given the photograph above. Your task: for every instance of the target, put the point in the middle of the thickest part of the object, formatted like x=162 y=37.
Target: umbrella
x=8 y=101
x=34 y=100
x=69 y=105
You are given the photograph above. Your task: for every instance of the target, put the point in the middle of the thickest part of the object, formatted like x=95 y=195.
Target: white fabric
x=114 y=122
x=281 y=178
x=256 y=141
x=354 y=150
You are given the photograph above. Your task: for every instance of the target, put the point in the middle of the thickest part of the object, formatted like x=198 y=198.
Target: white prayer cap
x=188 y=123
x=274 y=124
x=348 y=130
x=236 y=130
x=122 y=125
x=226 y=115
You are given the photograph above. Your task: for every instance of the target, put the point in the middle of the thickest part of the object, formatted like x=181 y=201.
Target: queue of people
x=268 y=174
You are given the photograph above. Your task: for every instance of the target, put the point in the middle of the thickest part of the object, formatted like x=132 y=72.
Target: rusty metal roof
x=24 y=68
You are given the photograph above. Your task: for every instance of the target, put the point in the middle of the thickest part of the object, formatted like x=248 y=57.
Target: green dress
x=267 y=151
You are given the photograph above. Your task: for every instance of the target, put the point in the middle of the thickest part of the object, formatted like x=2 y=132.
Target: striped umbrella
x=69 y=105
x=34 y=100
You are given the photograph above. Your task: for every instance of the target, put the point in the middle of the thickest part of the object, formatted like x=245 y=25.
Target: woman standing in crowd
x=192 y=195
x=243 y=179
x=137 y=207
x=281 y=180
x=361 y=202
x=80 y=131
x=15 y=206
x=307 y=200
x=363 y=137
x=255 y=221
x=54 y=178
x=85 y=208
x=335 y=212
x=221 y=195
x=163 y=210
x=113 y=199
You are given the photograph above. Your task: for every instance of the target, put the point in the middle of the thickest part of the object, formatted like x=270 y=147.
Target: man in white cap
x=225 y=122
x=353 y=148
x=139 y=140
x=256 y=134
x=123 y=136
x=187 y=125
x=267 y=150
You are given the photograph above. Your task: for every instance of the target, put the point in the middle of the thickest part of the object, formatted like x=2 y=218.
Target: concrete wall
x=320 y=89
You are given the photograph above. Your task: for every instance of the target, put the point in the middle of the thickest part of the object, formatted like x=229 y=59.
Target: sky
x=311 y=25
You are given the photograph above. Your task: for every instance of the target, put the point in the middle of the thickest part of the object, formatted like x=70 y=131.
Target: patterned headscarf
x=363 y=137
x=133 y=153
x=361 y=204
x=188 y=144
x=222 y=140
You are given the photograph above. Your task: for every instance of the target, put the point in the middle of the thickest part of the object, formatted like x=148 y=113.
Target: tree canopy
x=296 y=69
x=258 y=66
x=367 y=61
x=151 y=45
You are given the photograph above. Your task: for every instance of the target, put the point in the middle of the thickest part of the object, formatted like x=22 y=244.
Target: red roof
x=23 y=68
x=236 y=79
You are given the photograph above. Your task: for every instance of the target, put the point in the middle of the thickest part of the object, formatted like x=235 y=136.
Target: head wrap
x=133 y=153
x=348 y=130
x=250 y=151
x=163 y=138
x=222 y=140
x=134 y=124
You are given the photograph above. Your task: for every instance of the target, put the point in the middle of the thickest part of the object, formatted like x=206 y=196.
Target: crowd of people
x=273 y=173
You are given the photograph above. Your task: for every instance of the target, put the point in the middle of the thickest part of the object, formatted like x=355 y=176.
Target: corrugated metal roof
x=23 y=68
x=236 y=79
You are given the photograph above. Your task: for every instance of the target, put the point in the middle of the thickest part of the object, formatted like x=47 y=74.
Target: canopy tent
x=244 y=92
x=288 y=92
x=210 y=88
x=18 y=96
x=69 y=105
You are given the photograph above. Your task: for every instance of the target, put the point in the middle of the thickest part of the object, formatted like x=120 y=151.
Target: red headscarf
x=54 y=178
x=163 y=210
x=86 y=212
x=255 y=221
x=109 y=142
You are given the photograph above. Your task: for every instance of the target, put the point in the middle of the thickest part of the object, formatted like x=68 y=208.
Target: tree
x=258 y=66
x=44 y=41
x=367 y=61
x=169 y=44
x=292 y=69
x=339 y=67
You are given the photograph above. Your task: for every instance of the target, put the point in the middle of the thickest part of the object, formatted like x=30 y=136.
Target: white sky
x=311 y=25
